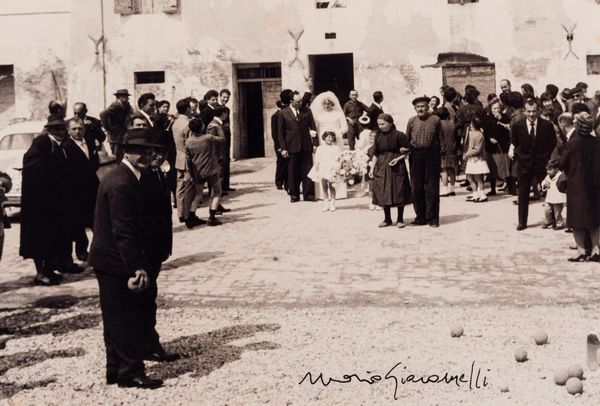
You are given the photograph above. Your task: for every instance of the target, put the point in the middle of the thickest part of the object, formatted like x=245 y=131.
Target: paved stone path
x=270 y=251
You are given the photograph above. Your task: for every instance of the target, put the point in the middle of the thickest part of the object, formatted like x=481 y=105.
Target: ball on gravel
x=561 y=376
x=576 y=371
x=540 y=337
x=574 y=386
x=520 y=355
x=457 y=331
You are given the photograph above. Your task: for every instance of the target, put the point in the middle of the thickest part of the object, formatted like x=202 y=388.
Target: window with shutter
x=124 y=7
x=593 y=64
x=128 y=7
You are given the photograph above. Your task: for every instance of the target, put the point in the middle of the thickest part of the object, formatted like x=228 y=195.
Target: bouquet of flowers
x=351 y=168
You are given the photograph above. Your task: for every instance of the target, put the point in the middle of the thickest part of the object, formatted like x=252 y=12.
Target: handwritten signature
x=395 y=374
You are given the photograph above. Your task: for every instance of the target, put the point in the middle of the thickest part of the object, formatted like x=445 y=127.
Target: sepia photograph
x=299 y=202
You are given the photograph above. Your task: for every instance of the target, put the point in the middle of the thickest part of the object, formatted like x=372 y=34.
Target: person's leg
x=351 y=136
x=325 y=194
x=280 y=171
x=492 y=186
x=331 y=195
x=560 y=221
x=148 y=308
x=432 y=187
x=417 y=173
x=581 y=236
x=444 y=175
x=183 y=195
x=549 y=219
x=387 y=220
x=595 y=241
x=452 y=180
x=480 y=187
x=523 y=202
x=121 y=315
x=81 y=244
x=215 y=200
x=400 y=218
x=471 y=180
x=308 y=186
x=294 y=175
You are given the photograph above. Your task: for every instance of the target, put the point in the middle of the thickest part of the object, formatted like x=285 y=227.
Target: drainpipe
x=103 y=54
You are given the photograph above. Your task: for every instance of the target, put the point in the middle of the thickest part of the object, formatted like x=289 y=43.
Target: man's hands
x=139 y=282
x=284 y=153
x=404 y=150
x=313 y=133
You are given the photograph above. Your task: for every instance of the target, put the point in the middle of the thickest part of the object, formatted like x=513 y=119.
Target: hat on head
x=566 y=94
x=364 y=120
x=55 y=121
x=421 y=99
x=576 y=91
x=140 y=137
x=122 y=92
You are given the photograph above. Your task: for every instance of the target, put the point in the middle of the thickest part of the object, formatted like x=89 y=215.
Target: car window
x=16 y=141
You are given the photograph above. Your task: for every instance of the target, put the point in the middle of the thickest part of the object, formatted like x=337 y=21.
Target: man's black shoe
x=111 y=379
x=434 y=224
x=214 y=222
x=192 y=222
x=279 y=187
x=229 y=189
x=310 y=199
x=181 y=220
x=45 y=281
x=197 y=219
x=221 y=209
x=294 y=199
x=418 y=223
x=162 y=356
x=142 y=382
x=521 y=227
x=71 y=268
x=491 y=193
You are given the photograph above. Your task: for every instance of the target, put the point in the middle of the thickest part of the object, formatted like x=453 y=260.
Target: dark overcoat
x=83 y=170
x=580 y=161
x=47 y=221
x=118 y=244
x=158 y=223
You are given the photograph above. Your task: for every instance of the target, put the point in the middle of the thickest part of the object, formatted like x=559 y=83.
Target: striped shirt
x=425 y=132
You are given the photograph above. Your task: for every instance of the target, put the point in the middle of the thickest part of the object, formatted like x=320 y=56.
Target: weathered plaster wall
x=34 y=37
x=391 y=40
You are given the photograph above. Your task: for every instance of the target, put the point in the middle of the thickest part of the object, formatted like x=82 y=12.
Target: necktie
x=159 y=177
x=532 y=132
x=296 y=112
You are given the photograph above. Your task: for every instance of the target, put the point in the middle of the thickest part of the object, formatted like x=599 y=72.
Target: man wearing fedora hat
x=47 y=223
x=114 y=120
x=119 y=261
x=424 y=132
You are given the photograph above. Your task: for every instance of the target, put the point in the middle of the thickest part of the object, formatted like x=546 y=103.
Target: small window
x=149 y=77
x=593 y=64
x=260 y=72
x=128 y=7
x=330 y=4
x=462 y=2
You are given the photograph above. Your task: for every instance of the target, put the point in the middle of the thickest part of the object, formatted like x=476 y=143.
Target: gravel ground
x=246 y=356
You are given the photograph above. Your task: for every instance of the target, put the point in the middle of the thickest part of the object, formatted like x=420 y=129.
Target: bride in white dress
x=329 y=116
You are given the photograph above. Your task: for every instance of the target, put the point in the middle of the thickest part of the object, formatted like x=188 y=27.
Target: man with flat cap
x=114 y=120
x=120 y=262
x=424 y=133
x=47 y=221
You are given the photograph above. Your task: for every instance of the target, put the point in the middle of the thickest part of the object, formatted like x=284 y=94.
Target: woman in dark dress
x=391 y=186
x=496 y=131
x=580 y=162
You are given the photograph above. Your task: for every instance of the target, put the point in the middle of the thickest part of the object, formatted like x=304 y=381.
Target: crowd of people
x=519 y=143
x=158 y=159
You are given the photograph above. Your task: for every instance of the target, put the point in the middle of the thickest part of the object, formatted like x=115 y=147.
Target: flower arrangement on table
x=352 y=167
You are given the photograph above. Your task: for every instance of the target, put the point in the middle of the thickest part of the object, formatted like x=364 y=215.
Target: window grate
x=149 y=77
x=261 y=72
x=330 y=4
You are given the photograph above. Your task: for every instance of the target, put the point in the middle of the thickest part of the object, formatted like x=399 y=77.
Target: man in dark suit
x=47 y=202
x=224 y=95
x=93 y=126
x=296 y=130
x=211 y=100
x=533 y=141
x=120 y=263
x=158 y=244
x=282 y=163
x=353 y=109
x=375 y=110
x=84 y=162
x=114 y=121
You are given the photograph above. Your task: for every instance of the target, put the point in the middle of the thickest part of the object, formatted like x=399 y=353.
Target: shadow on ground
x=204 y=353
x=32 y=321
x=191 y=260
x=27 y=281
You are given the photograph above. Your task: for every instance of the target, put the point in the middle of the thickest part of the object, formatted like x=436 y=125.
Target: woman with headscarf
x=391 y=185
x=580 y=162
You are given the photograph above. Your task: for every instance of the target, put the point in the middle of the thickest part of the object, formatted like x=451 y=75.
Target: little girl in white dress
x=325 y=167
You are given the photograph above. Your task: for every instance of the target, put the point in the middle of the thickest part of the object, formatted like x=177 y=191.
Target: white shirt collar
x=218 y=120
x=570 y=133
x=135 y=171
x=54 y=139
x=378 y=105
x=529 y=124
x=82 y=145
x=147 y=118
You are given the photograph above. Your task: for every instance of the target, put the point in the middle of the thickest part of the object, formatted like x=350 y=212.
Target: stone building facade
x=179 y=48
